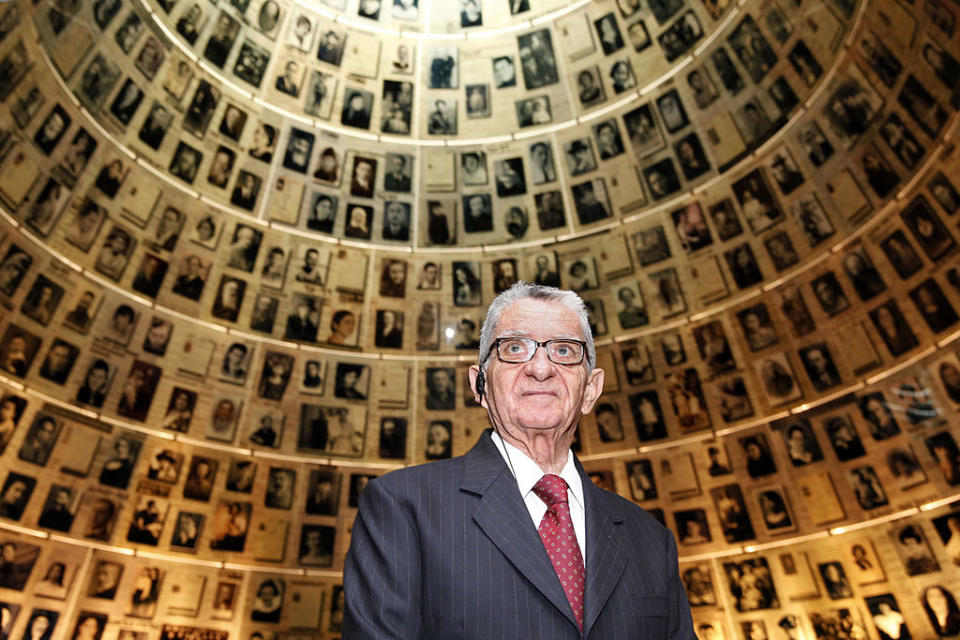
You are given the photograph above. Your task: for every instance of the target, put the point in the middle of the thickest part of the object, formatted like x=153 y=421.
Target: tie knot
x=551 y=489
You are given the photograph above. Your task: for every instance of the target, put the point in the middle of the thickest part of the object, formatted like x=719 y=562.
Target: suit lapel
x=504 y=518
x=606 y=557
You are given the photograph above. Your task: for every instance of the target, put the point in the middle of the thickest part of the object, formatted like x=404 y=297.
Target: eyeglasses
x=562 y=351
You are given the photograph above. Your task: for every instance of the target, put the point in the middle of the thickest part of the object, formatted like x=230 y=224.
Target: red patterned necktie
x=556 y=531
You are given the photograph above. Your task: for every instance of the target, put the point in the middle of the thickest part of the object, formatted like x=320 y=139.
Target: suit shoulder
x=440 y=472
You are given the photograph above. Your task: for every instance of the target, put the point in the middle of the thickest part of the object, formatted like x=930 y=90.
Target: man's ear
x=593 y=390
x=474 y=373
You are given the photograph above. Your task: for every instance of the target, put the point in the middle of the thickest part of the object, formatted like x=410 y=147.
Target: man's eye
x=515 y=347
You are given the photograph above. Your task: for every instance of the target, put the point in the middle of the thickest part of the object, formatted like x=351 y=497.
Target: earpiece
x=479 y=383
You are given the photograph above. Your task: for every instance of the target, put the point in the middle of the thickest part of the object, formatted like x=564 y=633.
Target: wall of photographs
x=247 y=245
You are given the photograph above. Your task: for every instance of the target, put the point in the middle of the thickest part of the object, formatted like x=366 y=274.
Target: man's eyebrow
x=522 y=333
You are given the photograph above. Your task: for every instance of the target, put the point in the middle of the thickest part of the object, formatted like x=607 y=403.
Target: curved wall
x=247 y=248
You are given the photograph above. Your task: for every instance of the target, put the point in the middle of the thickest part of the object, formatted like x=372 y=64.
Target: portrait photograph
x=121 y=454
x=732 y=513
x=905 y=467
x=781 y=251
x=323 y=492
x=266 y=428
x=59 y=361
x=662 y=179
x=200 y=477
x=820 y=366
x=927 y=229
x=693 y=528
x=863 y=562
x=893 y=328
x=281 y=483
x=867 y=488
x=49 y=202
x=229 y=525
x=668 y=293
x=648 y=416
x=138 y=390
x=148 y=519
x=757 y=202
x=316 y=545
x=698 y=583
x=537 y=59
x=651 y=245
x=735 y=402
x=164 y=466
x=778 y=380
x=533 y=111
x=251 y=63
x=224 y=419
x=187 y=531
x=751 y=584
x=580 y=156
x=851 y=102
x=776 y=514
x=57 y=578
x=241 y=475
x=78 y=154
x=14 y=495
x=644 y=131
x=947 y=455
x=887 y=618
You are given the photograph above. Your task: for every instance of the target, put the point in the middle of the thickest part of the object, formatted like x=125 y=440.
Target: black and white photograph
x=779 y=382
x=52 y=129
x=246 y=190
x=820 y=366
x=758 y=328
x=751 y=585
x=933 y=306
x=16 y=492
x=537 y=59
x=648 y=416
x=851 y=102
x=693 y=529
x=316 y=545
x=732 y=513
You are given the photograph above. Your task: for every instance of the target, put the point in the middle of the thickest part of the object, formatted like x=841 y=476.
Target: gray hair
x=527 y=290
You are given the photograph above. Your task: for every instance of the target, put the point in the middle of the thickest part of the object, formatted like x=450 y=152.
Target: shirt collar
x=527 y=473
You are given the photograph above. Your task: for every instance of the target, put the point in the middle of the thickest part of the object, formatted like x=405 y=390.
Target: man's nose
x=539 y=366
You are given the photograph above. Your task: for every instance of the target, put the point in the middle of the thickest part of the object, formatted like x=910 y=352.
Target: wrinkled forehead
x=535 y=318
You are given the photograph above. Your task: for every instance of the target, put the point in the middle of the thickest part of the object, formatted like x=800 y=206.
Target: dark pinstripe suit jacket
x=448 y=550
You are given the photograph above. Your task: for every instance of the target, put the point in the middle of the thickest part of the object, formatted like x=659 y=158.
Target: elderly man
x=512 y=540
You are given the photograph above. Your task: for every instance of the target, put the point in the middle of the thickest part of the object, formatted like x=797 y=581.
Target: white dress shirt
x=527 y=473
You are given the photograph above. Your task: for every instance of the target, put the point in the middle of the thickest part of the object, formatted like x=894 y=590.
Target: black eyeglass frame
x=497 y=341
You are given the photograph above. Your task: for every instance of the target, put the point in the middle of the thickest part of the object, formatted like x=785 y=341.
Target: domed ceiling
x=247 y=246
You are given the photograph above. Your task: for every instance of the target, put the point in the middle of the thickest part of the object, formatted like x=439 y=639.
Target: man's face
x=538 y=395
x=312 y=258
x=244 y=238
x=817 y=360
x=430 y=273
x=13 y=495
x=395 y=215
x=62 y=500
x=476 y=206
x=363 y=172
x=657 y=183
x=59 y=356
x=53 y=126
x=606 y=136
x=157 y=335
x=396 y=165
x=396 y=272
x=441 y=382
